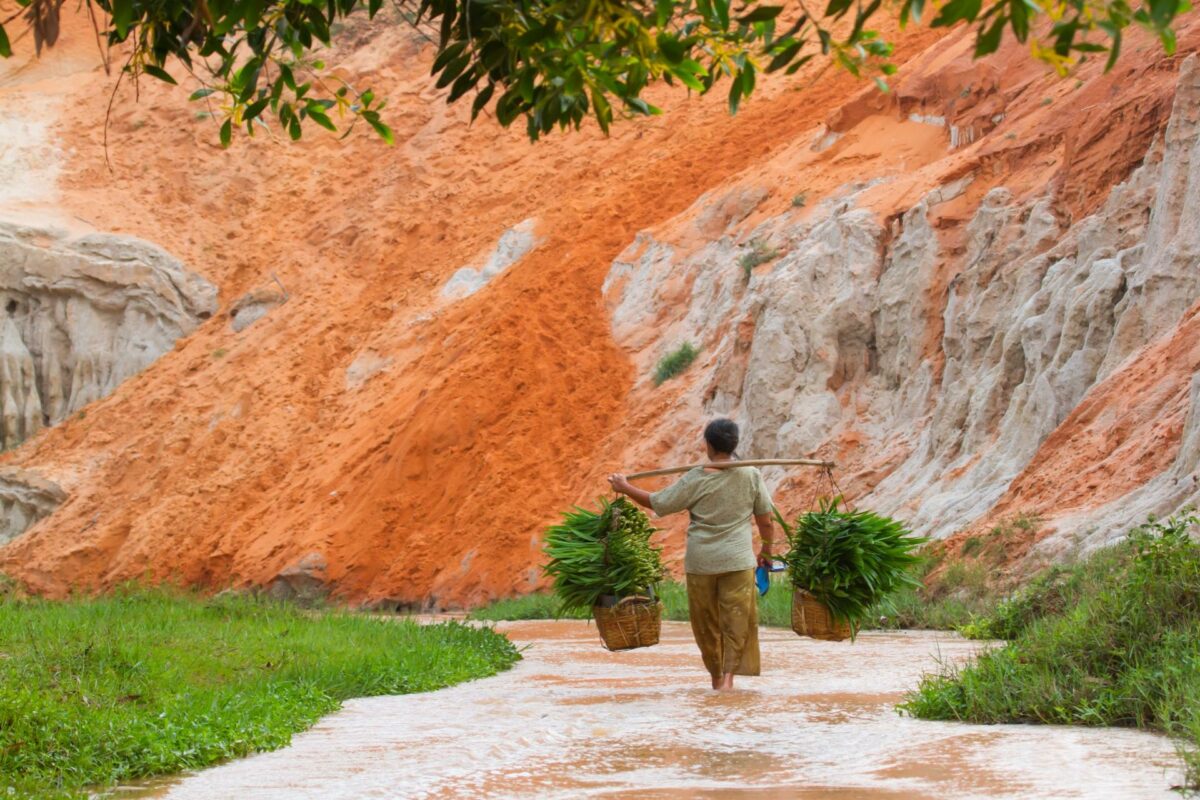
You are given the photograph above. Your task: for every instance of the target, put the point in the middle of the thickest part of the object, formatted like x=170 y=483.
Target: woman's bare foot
x=726 y=682
x=716 y=682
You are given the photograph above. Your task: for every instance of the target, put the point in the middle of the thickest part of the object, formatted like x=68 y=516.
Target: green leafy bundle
x=601 y=553
x=849 y=560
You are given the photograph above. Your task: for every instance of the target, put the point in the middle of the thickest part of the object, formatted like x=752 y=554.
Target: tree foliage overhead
x=554 y=62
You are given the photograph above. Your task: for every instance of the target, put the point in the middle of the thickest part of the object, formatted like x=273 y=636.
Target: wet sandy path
x=572 y=720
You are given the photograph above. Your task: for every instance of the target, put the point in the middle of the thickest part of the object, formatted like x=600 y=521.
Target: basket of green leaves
x=841 y=563
x=603 y=560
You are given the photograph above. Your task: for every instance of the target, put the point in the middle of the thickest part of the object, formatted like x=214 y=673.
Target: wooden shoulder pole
x=760 y=462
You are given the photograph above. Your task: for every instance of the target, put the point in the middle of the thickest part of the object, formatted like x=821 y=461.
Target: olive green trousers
x=724 y=615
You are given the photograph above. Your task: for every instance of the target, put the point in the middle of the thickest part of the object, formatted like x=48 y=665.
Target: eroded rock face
x=80 y=315
x=303 y=582
x=253 y=306
x=850 y=336
x=24 y=499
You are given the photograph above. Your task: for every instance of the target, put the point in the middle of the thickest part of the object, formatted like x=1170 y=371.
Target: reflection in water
x=574 y=720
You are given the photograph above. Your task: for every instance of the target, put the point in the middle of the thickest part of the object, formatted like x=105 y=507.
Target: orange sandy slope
x=238 y=453
x=431 y=481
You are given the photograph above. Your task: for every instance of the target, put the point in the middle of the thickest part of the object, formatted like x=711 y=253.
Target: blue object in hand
x=762 y=579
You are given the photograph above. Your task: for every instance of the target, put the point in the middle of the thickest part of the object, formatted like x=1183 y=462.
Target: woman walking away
x=720 y=560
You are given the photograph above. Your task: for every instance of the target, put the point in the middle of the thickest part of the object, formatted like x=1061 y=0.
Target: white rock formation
x=79 y=316
x=24 y=499
x=840 y=340
x=514 y=243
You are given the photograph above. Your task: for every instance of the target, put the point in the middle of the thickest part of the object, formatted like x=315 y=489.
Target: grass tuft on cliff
x=1114 y=640
x=100 y=691
x=675 y=363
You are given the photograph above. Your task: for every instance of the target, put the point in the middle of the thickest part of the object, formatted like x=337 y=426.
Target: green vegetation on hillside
x=553 y=63
x=1114 y=640
x=760 y=252
x=674 y=363
x=101 y=691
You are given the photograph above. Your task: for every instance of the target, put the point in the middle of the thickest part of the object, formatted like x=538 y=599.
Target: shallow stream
x=573 y=720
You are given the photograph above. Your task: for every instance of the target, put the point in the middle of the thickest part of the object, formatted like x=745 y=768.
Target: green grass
x=1114 y=640
x=920 y=609
x=760 y=252
x=675 y=363
x=140 y=683
x=530 y=606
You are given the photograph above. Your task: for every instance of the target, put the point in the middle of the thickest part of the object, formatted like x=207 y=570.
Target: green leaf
x=748 y=78
x=764 y=13
x=800 y=62
x=663 y=11
x=911 y=9
x=226 y=133
x=722 y=9
x=1113 y=51
x=5 y=46
x=201 y=93
x=122 y=15
x=481 y=100
x=1019 y=17
x=1168 y=40
x=688 y=79
x=317 y=115
x=254 y=110
x=507 y=108
x=383 y=130
x=987 y=40
x=464 y=84
x=671 y=47
x=251 y=13
x=1162 y=12
x=446 y=56
x=453 y=70
x=837 y=8
x=160 y=73
x=602 y=109
x=957 y=10
x=735 y=96
x=642 y=107
x=785 y=55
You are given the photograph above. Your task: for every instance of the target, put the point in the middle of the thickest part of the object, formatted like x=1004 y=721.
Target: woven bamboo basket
x=811 y=617
x=631 y=622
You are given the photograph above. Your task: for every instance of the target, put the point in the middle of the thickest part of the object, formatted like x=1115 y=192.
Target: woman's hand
x=621 y=485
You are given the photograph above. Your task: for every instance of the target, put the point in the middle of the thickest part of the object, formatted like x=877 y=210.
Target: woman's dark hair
x=722 y=435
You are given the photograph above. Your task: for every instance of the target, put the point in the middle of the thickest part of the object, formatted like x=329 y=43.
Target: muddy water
x=573 y=720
